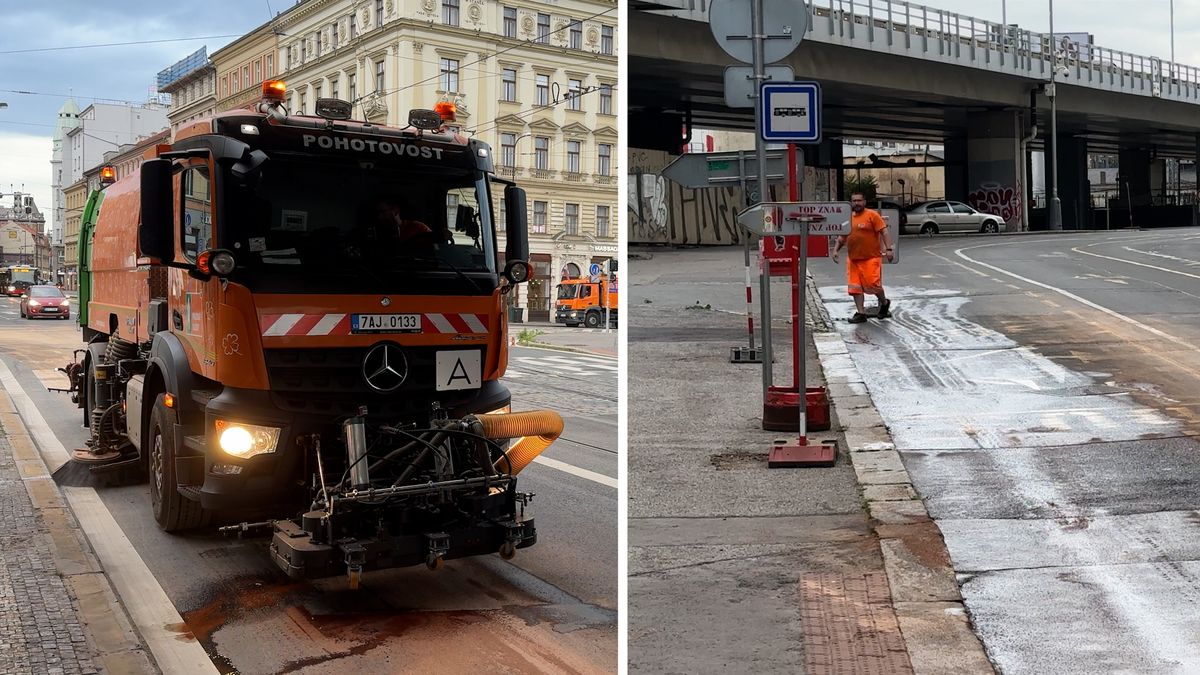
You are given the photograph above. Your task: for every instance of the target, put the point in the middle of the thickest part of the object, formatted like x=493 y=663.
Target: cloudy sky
x=36 y=83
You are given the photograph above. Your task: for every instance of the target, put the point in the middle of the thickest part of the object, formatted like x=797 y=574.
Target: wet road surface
x=1043 y=391
x=551 y=609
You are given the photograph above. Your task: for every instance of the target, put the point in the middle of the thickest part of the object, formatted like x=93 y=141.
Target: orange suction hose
x=536 y=430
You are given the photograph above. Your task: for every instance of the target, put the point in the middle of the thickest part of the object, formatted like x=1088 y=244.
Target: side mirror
x=516 y=231
x=156 y=233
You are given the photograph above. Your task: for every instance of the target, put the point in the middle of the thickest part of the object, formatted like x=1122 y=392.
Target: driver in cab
x=394 y=224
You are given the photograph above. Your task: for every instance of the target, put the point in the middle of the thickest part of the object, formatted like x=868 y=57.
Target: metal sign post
x=749 y=42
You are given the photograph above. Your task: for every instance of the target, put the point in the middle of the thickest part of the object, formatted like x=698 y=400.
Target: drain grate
x=847 y=626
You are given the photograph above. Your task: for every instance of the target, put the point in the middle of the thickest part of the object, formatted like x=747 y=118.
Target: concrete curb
x=933 y=620
x=559 y=348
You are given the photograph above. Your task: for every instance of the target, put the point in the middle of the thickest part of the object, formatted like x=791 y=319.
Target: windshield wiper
x=438 y=262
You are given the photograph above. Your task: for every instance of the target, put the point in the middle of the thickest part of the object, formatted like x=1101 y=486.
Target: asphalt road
x=1043 y=391
x=553 y=608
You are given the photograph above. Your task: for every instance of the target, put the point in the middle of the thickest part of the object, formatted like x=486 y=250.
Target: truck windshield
x=303 y=225
x=567 y=292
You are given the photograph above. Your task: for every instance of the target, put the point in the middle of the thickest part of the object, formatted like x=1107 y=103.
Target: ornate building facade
x=534 y=80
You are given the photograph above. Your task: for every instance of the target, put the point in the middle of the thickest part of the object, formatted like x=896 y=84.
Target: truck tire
x=592 y=320
x=173 y=512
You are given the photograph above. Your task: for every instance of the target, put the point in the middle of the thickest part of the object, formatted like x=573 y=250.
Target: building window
x=450 y=12
x=601 y=221
x=258 y=71
x=543 y=90
x=450 y=75
x=503 y=215
x=303 y=103
x=237 y=86
x=317 y=44
x=224 y=87
x=334 y=38
x=378 y=12
x=353 y=25
x=317 y=90
x=576 y=35
x=508 y=85
x=543 y=29
x=508 y=149
x=573 y=156
x=246 y=76
x=604 y=159
x=574 y=95
x=333 y=87
x=510 y=22
x=352 y=86
x=606 y=40
x=606 y=99
x=270 y=65
x=571 y=218
x=541 y=152
x=539 y=217
x=303 y=51
x=379 y=71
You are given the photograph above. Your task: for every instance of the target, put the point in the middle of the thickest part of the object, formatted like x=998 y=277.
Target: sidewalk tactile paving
x=847 y=626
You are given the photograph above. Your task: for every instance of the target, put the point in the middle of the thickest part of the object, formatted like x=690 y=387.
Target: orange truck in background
x=584 y=301
x=268 y=338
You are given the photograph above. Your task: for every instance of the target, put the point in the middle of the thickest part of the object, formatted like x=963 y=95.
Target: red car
x=45 y=301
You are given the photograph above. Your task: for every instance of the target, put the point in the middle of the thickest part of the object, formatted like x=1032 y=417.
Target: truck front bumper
x=276 y=482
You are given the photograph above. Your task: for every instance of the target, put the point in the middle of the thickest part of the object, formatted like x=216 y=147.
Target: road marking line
x=1130 y=262
x=576 y=471
x=1083 y=301
x=149 y=607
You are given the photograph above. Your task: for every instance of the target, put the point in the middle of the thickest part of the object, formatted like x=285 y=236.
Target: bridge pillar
x=994 y=162
x=1073 y=188
x=1134 y=176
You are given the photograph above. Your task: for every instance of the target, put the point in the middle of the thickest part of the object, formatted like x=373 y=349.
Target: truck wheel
x=592 y=320
x=172 y=511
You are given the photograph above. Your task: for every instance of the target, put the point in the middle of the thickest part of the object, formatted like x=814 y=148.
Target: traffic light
x=612 y=265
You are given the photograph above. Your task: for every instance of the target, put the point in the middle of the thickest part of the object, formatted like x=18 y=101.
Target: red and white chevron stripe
x=278 y=325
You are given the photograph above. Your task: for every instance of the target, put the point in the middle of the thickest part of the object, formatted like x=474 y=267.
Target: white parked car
x=930 y=218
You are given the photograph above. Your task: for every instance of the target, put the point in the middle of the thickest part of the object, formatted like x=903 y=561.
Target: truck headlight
x=246 y=440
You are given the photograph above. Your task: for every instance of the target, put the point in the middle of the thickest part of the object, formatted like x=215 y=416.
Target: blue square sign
x=791 y=112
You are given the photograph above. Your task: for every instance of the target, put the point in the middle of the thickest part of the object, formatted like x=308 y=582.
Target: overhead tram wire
x=117 y=44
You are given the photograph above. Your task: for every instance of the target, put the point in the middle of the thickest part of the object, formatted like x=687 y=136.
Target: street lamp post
x=1054 y=206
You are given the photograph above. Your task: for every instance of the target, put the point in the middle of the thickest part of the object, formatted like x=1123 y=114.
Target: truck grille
x=329 y=382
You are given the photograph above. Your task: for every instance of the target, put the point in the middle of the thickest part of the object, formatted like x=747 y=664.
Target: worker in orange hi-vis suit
x=866 y=245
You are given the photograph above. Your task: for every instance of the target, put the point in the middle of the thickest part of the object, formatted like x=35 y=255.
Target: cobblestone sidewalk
x=40 y=631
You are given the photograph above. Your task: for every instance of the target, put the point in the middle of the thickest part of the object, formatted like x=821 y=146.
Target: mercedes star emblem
x=385 y=367
x=385 y=301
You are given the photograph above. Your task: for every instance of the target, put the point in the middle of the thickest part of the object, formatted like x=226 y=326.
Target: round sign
x=784 y=23
x=594 y=269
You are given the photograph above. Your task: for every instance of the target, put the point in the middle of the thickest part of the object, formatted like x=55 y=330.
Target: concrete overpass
x=895 y=70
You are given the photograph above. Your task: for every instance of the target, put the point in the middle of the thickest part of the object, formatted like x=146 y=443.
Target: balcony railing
x=544 y=174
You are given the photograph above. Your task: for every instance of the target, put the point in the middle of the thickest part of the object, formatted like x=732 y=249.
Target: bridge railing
x=933 y=31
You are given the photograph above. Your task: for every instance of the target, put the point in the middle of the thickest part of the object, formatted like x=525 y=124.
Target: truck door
x=192 y=301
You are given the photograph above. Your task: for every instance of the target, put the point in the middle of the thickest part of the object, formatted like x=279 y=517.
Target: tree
x=864 y=184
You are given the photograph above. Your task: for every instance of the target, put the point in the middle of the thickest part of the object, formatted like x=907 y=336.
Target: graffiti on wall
x=663 y=212
x=648 y=208
x=998 y=200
